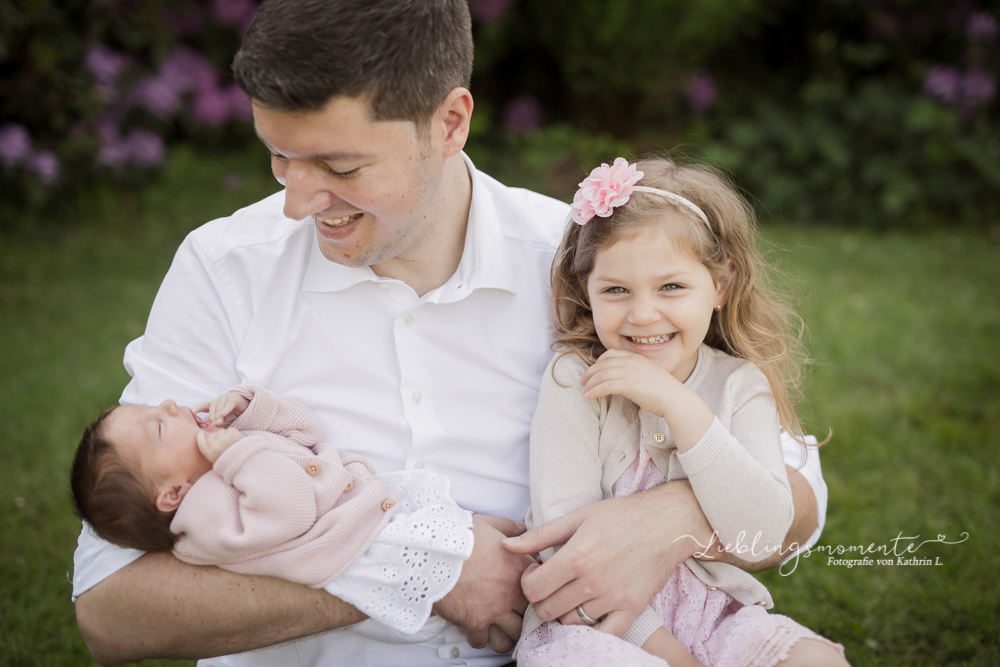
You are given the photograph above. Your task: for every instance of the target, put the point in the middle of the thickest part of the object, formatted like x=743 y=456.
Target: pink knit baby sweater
x=279 y=502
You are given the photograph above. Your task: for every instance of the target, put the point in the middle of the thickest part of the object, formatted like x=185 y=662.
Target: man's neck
x=435 y=260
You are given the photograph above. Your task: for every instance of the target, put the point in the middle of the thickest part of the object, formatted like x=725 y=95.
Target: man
x=402 y=296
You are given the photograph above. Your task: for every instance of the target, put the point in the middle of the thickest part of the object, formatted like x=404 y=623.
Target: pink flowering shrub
x=74 y=95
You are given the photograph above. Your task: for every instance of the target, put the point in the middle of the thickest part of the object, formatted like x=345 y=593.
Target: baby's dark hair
x=113 y=498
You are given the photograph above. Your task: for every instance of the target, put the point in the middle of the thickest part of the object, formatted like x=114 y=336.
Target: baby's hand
x=224 y=410
x=213 y=443
x=630 y=375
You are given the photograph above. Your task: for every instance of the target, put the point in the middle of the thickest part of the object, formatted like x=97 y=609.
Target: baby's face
x=161 y=440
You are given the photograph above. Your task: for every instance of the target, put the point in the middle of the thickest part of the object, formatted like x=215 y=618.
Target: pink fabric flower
x=605 y=188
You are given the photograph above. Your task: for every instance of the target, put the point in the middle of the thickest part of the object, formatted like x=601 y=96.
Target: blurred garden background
x=866 y=132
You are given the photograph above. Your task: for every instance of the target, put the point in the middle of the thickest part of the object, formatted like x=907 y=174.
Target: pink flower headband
x=609 y=187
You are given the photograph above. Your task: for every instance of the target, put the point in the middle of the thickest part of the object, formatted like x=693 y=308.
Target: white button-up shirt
x=446 y=382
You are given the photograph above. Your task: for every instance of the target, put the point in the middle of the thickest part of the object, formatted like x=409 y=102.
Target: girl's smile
x=652 y=297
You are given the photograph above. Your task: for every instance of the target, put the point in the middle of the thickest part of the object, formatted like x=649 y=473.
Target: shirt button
x=409 y=319
x=348 y=487
x=416 y=397
x=383 y=285
x=387 y=504
x=418 y=464
x=312 y=469
x=454 y=653
x=658 y=438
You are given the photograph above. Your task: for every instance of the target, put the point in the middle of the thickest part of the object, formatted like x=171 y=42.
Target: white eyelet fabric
x=416 y=559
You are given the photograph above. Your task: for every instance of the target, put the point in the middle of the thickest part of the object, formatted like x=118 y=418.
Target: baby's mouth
x=652 y=341
x=340 y=222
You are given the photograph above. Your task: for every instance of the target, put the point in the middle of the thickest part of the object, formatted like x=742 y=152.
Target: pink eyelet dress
x=715 y=628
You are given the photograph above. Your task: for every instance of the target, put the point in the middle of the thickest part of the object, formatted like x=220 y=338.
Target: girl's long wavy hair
x=756 y=323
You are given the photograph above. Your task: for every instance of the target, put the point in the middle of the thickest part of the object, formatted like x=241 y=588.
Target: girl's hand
x=630 y=375
x=224 y=410
x=213 y=443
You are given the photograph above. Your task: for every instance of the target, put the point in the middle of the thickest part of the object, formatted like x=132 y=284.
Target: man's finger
x=510 y=625
x=555 y=532
x=506 y=526
x=477 y=638
x=617 y=623
x=500 y=641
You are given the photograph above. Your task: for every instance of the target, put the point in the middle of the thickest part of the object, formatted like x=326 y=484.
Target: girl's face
x=652 y=297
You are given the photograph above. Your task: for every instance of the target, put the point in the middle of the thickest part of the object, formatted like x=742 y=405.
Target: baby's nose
x=170 y=406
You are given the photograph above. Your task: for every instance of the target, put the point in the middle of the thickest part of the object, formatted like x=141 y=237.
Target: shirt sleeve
x=806 y=461
x=188 y=353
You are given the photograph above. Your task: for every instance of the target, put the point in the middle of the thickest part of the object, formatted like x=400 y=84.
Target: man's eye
x=343 y=174
x=275 y=156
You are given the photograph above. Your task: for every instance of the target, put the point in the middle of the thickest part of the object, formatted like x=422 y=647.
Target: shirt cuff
x=643 y=627
x=806 y=461
x=96 y=559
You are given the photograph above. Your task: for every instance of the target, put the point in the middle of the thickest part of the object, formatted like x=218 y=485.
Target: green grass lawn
x=904 y=329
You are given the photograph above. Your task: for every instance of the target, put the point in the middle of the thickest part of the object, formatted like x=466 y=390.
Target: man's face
x=371 y=187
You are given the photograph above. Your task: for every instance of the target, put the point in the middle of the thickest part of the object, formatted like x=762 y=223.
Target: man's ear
x=452 y=120
x=169 y=497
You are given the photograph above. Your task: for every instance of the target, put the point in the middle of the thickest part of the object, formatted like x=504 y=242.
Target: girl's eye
x=671 y=287
x=616 y=290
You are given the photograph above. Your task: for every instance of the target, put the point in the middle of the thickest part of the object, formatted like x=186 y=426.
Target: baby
x=252 y=489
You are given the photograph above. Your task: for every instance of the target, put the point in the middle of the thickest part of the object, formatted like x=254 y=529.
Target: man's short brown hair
x=113 y=498
x=404 y=56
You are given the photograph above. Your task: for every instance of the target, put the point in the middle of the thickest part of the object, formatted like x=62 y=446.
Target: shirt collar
x=485 y=263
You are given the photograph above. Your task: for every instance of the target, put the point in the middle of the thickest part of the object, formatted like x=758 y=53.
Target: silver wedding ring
x=583 y=615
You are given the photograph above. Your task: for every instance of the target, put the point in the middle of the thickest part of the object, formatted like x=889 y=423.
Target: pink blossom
x=45 y=165
x=160 y=95
x=942 y=83
x=981 y=27
x=239 y=103
x=605 y=188
x=701 y=91
x=233 y=12
x=523 y=114
x=978 y=87
x=211 y=107
x=15 y=144
x=145 y=148
x=488 y=11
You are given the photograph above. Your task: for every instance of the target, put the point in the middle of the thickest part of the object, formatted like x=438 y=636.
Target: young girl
x=676 y=363
x=253 y=489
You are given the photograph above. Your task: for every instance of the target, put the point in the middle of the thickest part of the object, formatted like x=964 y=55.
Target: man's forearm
x=803 y=526
x=159 y=607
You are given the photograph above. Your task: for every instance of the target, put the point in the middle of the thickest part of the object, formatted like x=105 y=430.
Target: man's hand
x=618 y=554
x=487 y=601
x=213 y=443
x=224 y=410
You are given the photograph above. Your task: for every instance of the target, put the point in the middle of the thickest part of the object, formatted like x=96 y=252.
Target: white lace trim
x=416 y=559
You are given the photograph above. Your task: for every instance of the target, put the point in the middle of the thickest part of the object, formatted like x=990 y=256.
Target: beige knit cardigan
x=580 y=447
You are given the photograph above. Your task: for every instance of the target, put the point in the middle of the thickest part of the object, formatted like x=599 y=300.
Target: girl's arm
x=566 y=468
x=737 y=474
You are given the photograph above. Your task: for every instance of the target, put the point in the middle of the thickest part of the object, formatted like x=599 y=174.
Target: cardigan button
x=349 y=487
x=658 y=438
x=712 y=588
x=312 y=469
x=387 y=504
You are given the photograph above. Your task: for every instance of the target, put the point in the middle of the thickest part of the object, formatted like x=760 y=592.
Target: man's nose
x=307 y=189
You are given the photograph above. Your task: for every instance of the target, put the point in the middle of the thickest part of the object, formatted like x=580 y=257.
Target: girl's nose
x=643 y=311
x=307 y=190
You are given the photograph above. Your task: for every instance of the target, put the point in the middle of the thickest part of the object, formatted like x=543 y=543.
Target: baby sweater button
x=658 y=438
x=312 y=469
x=348 y=487
x=387 y=504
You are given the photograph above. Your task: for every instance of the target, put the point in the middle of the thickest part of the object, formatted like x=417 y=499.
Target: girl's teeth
x=340 y=222
x=651 y=341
